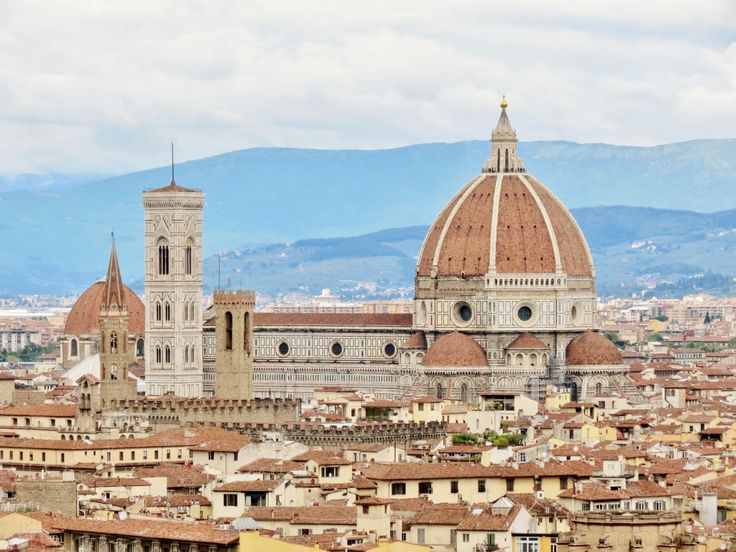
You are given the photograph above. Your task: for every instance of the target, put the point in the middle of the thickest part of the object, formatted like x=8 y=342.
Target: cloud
x=88 y=87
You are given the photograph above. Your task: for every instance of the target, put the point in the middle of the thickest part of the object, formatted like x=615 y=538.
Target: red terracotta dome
x=455 y=349
x=592 y=349
x=417 y=341
x=527 y=341
x=507 y=224
x=82 y=319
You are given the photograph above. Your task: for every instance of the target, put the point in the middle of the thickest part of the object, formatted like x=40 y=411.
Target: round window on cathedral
x=336 y=349
x=282 y=348
x=524 y=313
x=389 y=350
x=466 y=313
x=462 y=313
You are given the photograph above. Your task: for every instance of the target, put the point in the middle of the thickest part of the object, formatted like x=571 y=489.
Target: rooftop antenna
x=172 y=163
x=219 y=265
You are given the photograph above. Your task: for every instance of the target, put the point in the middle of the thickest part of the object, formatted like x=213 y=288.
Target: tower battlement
x=234 y=297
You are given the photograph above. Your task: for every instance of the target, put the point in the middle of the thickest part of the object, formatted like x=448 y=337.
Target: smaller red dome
x=455 y=349
x=84 y=316
x=527 y=341
x=592 y=349
x=417 y=341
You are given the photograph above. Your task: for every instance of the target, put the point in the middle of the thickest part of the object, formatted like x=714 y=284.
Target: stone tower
x=234 y=338
x=115 y=352
x=173 y=302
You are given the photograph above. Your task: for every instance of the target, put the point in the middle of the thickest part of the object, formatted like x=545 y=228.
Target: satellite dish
x=123 y=516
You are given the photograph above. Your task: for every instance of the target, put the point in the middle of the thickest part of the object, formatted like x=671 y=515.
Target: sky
x=90 y=87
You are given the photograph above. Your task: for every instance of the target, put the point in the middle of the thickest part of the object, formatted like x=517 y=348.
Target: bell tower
x=173 y=301
x=115 y=357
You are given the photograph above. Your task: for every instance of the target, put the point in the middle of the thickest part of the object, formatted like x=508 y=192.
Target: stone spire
x=504 y=158
x=116 y=353
x=113 y=294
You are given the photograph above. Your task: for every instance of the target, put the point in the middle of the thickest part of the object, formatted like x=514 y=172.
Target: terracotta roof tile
x=258 y=485
x=455 y=470
x=151 y=529
x=574 y=252
x=487 y=521
x=426 y=256
x=177 y=476
x=59 y=410
x=172 y=187
x=466 y=244
x=270 y=465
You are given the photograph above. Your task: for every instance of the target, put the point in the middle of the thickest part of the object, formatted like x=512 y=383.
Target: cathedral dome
x=455 y=349
x=82 y=319
x=592 y=349
x=504 y=222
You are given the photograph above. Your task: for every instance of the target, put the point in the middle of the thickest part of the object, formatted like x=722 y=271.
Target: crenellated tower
x=234 y=338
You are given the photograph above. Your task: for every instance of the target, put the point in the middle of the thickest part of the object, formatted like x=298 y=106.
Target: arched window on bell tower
x=228 y=331
x=113 y=342
x=163 y=257
x=188 y=258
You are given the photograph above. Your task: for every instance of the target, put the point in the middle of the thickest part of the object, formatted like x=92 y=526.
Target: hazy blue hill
x=681 y=251
x=57 y=239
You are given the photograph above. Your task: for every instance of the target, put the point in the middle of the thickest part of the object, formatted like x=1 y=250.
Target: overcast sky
x=99 y=86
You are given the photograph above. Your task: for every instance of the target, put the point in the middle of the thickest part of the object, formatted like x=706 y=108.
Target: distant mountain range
x=634 y=248
x=55 y=231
